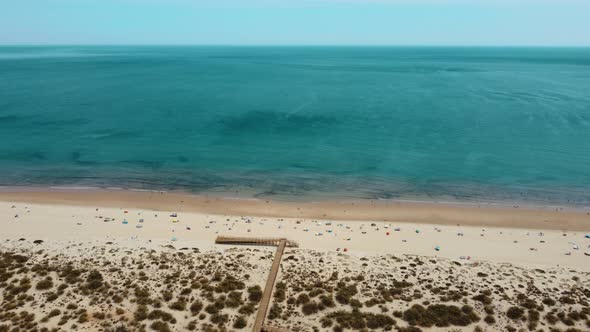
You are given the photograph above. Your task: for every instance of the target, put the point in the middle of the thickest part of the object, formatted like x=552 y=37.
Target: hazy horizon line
x=298 y=45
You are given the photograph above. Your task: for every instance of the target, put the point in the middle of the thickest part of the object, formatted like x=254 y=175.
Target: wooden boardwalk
x=269 y=328
x=254 y=241
x=270 y=284
x=281 y=244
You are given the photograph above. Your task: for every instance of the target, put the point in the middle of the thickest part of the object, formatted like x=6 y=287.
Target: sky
x=296 y=22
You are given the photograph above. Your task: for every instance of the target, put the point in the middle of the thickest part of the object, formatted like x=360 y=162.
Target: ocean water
x=300 y=122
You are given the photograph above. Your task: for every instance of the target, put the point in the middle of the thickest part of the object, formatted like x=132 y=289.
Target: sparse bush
x=219 y=319
x=44 y=284
x=240 y=322
x=179 y=305
x=483 y=299
x=358 y=320
x=254 y=293
x=53 y=313
x=514 y=313
x=440 y=315
x=94 y=280
x=345 y=293
x=302 y=299
x=160 y=326
x=275 y=311
x=567 y=300
x=141 y=313
x=229 y=284
x=167 y=295
x=159 y=314
x=196 y=307
x=372 y=302
x=247 y=309
x=279 y=295
x=327 y=301
x=310 y=308
x=234 y=299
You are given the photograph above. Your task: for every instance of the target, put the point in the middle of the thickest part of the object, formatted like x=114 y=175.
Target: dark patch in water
x=153 y=164
x=87 y=163
x=118 y=134
x=10 y=119
x=38 y=155
x=59 y=123
x=260 y=122
x=182 y=159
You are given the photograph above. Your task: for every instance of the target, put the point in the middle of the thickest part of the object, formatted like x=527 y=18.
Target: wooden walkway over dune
x=281 y=244
x=255 y=241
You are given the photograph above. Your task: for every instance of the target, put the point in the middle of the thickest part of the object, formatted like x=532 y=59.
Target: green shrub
x=275 y=311
x=44 y=284
x=159 y=314
x=234 y=299
x=240 y=322
x=179 y=305
x=310 y=308
x=94 y=280
x=229 y=284
x=167 y=295
x=483 y=299
x=279 y=295
x=514 y=313
x=247 y=309
x=345 y=293
x=327 y=301
x=302 y=299
x=440 y=315
x=160 y=326
x=358 y=320
x=196 y=307
x=254 y=293
x=219 y=319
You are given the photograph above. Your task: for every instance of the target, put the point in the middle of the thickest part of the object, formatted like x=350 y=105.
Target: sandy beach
x=516 y=235
x=514 y=248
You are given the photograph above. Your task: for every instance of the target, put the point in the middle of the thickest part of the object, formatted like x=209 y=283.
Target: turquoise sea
x=296 y=122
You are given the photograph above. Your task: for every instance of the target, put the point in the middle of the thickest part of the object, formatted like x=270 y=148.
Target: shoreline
x=489 y=214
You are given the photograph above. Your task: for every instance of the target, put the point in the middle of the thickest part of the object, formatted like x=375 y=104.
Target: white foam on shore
x=74 y=188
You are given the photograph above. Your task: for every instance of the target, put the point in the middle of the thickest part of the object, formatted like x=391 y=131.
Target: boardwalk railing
x=255 y=241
